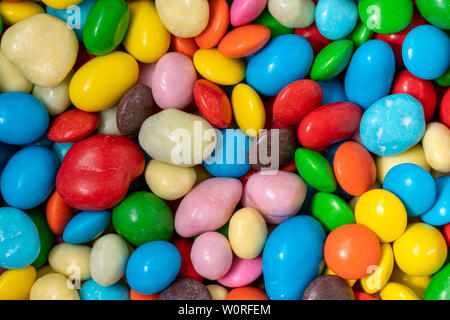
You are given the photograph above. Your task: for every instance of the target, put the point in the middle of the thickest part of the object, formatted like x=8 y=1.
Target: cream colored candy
x=108 y=260
x=107 y=123
x=183 y=18
x=167 y=181
x=247 y=233
x=217 y=291
x=55 y=99
x=42 y=48
x=413 y=155
x=53 y=286
x=177 y=137
x=42 y=271
x=71 y=260
x=436 y=145
x=10 y=78
x=293 y=13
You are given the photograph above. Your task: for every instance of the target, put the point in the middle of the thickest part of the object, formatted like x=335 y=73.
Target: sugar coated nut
x=292 y=13
x=71 y=260
x=328 y=288
x=53 y=286
x=436 y=145
x=185 y=289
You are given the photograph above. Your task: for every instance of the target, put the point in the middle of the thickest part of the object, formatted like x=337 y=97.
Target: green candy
x=143 y=217
x=360 y=35
x=1 y=25
x=315 y=169
x=331 y=210
x=386 y=16
x=439 y=286
x=276 y=28
x=332 y=60
x=46 y=237
x=106 y=26
x=436 y=12
x=224 y=229
x=444 y=80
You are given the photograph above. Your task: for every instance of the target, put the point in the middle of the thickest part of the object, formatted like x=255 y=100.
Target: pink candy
x=242 y=272
x=245 y=11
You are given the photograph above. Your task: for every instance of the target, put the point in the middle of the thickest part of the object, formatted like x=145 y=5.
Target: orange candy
x=139 y=296
x=244 y=41
x=58 y=213
x=219 y=17
x=246 y=293
x=186 y=46
x=352 y=251
x=354 y=168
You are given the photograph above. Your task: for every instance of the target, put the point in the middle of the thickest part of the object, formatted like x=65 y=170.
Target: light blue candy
x=292 y=257
x=370 y=73
x=23 y=118
x=439 y=214
x=333 y=91
x=392 y=125
x=61 y=149
x=336 y=19
x=413 y=185
x=426 y=52
x=230 y=157
x=29 y=177
x=91 y=290
x=153 y=266
x=19 y=239
x=283 y=60
x=86 y=226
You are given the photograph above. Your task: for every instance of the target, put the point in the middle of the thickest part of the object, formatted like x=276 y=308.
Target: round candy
x=15 y=284
x=439 y=287
x=72 y=126
x=335 y=19
x=90 y=290
x=185 y=289
x=86 y=226
x=242 y=272
x=71 y=260
x=293 y=13
x=245 y=11
x=417 y=283
x=397 y=291
x=439 y=213
x=53 y=286
x=436 y=12
x=328 y=287
x=219 y=17
x=246 y=293
x=315 y=169
x=244 y=41
x=331 y=210
x=436 y=145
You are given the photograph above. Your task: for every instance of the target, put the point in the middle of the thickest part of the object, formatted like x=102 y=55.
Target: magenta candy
x=242 y=272
x=208 y=206
x=277 y=197
x=211 y=255
x=146 y=71
x=245 y=11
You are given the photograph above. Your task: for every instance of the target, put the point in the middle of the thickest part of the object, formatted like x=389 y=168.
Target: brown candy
x=134 y=107
x=186 y=289
x=328 y=288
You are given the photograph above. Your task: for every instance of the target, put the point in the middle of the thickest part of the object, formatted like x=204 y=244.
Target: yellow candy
x=13 y=12
x=11 y=79
x=103 y=81
x=55 y=99
x=436 y=145
x=61 y=4
x=397 y=291
x=329 y=272
x=421 y=250
x=413 y=155
x=42 y=271
x=248 y=109
x=147 y=38
x=71 y=260
x=383 y=213
x=15 y=284
x=215 y=67
x=168 y=181
x=53 y=286
x=417 y=283
x=247 y=233
x=378 y=279
x=217 y=291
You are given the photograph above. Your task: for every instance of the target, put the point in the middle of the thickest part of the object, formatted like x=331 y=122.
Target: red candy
x=364 y=296
x=446 y=231
x=72 y=126
x=96 y=172
x=297 y=100
x=444 y=112
x=314 y=37
x=422 y=90
x=329 y=124
x=187 y=268
x=213 y=103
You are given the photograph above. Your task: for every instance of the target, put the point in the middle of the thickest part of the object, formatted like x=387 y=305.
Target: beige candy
x=42 y=48
x=53 y=286
x=293 y=13
x=55 y=99
x=183 y=18
x=167 y=181
x=10 y=78
x=217 y=291
x=71 y=260
x=107 y=123
x=436 y=145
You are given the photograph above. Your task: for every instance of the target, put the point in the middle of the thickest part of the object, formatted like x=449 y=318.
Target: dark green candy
x=46 y=237
x=276 y=28
x=331 y=210
x=444 y=80
x=360 y=35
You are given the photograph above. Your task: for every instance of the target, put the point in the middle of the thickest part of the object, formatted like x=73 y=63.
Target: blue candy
x=91 y=290
x=6 y=152
x=283 y=60
x=153 y=266
x=392 y=125
x=29 y=177
x=370 y=73
x=230 y=157
x=61 y=149
x=413 y=185
x=23 y=118
x=336 y=19
x=19 y=239
x=86 y=226
x=439 y=214
x=333 y=91
x=292 y=257
x=426 y=52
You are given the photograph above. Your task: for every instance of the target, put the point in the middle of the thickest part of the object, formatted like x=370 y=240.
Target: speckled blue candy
x=86 y=226
x=392 y=125
x=439 y=214
x=336 y=19
x=91 y=290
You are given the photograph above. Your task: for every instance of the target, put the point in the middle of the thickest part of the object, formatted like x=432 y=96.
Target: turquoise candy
x=439 y=214
x=61 y=149
x=91 y=290
x=392 y=125
x=336 y=19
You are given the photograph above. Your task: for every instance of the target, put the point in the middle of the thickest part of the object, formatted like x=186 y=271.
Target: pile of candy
x=246 y=149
